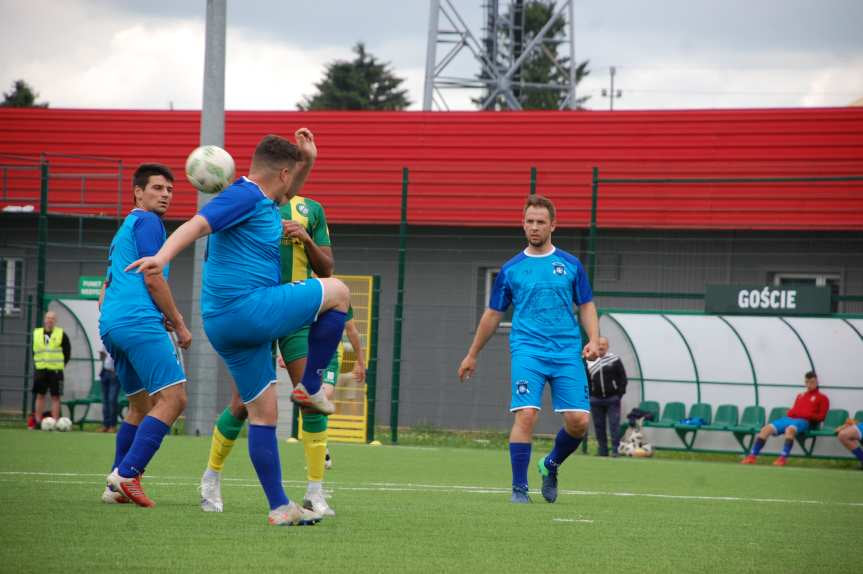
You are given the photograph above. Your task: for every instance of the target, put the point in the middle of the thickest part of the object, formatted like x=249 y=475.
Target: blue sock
x=325 y=335
x=519 y=458
x=786 y=448
x=144 y=446
x=564 y=445
x=858 y=452
x=264 y=452
x=125 y=436
x=757 y=446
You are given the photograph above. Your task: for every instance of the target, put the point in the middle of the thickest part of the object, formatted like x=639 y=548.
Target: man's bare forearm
x=303 y=170
x=320 y=259
x=488 y=324
x=160 y=291
x=184 y=236
x=589 y=320
x=354 y=337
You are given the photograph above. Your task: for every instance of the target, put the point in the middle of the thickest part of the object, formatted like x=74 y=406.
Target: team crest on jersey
x=303 y=209
x=558 y=267
x=522 y=388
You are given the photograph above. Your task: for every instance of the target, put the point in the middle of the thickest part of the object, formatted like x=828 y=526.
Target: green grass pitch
x=409 y=509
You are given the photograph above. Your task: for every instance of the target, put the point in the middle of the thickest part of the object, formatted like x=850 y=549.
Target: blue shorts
x=802 y=425
x=859 y=430
x=145 y=358
x=243 y=335
x=566 y=376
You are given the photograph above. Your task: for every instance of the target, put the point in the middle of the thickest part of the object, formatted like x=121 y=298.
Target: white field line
x=335 y=486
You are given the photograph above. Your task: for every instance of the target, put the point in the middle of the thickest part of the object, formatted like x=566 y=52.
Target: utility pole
x=611 y=94
x=201 y=361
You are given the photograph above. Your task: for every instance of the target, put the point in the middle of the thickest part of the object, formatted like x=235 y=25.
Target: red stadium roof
x=473 y=168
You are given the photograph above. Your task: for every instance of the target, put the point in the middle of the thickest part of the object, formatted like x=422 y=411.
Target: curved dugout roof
x=742 y=360
x=80 y=319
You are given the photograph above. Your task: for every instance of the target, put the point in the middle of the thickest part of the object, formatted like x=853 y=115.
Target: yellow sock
x=220 y=448
x=315 y=445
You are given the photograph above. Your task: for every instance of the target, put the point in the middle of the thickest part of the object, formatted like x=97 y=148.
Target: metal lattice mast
x=501 y=54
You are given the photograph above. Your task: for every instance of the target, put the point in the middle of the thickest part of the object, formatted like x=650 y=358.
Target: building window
x=831 y=280
x=487 y=278
x=12 y=275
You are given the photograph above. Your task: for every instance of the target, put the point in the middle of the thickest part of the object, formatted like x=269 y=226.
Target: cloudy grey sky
x=668 y=53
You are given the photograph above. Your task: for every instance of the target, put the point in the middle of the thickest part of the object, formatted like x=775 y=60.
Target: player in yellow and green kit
x=306 y=243
x=305 y=250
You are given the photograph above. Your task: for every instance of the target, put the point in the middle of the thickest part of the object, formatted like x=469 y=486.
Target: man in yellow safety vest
x=51 y=352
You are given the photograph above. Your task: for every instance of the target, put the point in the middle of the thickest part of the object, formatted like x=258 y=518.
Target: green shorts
x=330 y=375
x=295 y=346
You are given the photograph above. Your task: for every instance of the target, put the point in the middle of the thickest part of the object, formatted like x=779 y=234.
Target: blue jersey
x=127 y=300
x=542 y=290
x=243 y=249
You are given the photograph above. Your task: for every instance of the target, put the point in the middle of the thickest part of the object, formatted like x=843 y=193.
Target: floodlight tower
x=501 y=53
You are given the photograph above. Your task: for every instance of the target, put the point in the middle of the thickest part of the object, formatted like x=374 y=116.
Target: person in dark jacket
x=607 y=386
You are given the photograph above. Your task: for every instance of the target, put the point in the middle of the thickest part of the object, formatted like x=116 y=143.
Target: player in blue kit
x=245 y=307
x=542 y=283
x=135 y=311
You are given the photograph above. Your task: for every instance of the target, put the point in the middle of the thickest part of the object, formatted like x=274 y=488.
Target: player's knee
x=336 y=293
x=576 y=423
x=526 y=419
x=237 y=408
x=790 y=432
x=138 y=409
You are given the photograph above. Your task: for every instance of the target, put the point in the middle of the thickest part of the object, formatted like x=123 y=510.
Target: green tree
x=363 y=83
x=21 y=96
x=543 y=65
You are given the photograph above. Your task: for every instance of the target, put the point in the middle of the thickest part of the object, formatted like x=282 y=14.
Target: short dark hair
x=540 y=201
x=275 y=152
x=145 y=170
x=811 y=375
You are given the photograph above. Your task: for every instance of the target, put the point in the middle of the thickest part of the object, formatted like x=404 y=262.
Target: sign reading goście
x=767 y=300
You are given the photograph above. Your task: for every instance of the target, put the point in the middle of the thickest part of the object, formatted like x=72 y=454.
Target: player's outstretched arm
x=488 y=324
x=354 y=337
x=590 y=323
x=184 y=236
x=309 y=151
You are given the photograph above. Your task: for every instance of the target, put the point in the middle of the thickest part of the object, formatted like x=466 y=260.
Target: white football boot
x=316 y=502
x=113 y=497
x=211 y=492
x=317 y=402
x=292 y=514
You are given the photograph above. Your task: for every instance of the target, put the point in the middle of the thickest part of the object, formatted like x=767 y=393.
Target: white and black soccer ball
x=63 y=424
x=210 y=169
x=48 y=424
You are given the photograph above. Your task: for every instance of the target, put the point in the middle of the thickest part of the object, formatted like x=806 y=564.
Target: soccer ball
x=48 y=423
x=63 y=424
x=210 y=169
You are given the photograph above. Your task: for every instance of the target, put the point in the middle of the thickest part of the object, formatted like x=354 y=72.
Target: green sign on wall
x=767 y=300
x=90 y=287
